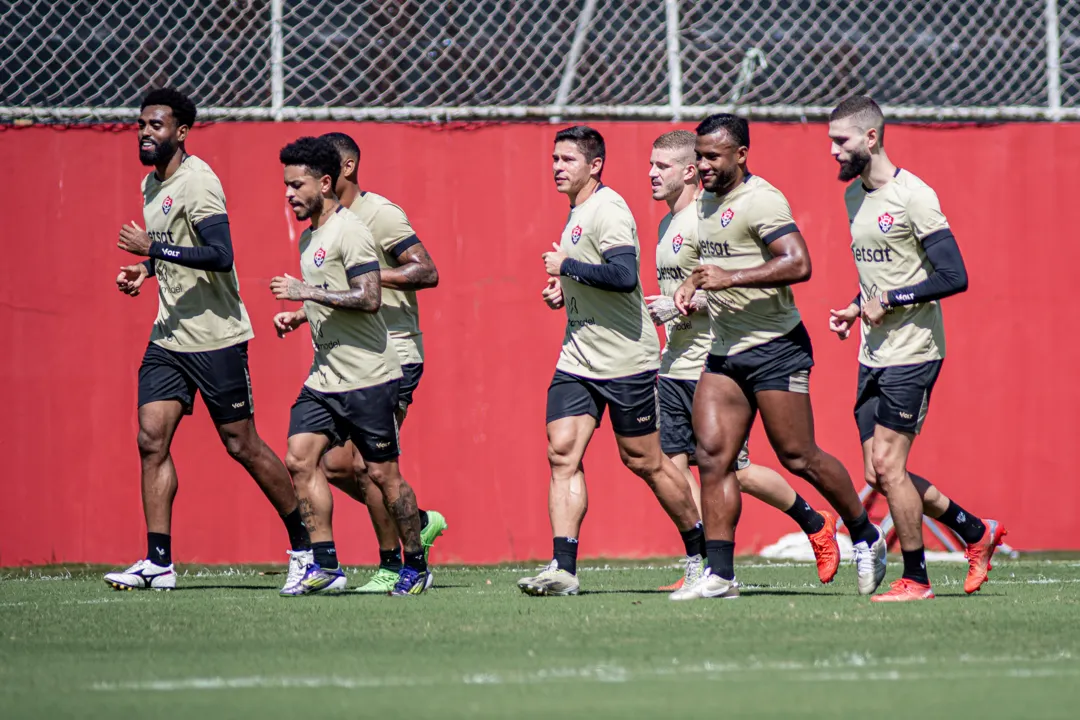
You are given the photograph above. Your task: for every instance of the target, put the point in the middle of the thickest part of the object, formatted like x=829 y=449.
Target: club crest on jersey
x=726 y=217
x=166 y=205
x=575 y=234
x=676 y=243
x=885 y=222
x=320 y=257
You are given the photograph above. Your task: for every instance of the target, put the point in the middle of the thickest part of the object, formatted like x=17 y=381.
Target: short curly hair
x=318 y=155
x=183 y=107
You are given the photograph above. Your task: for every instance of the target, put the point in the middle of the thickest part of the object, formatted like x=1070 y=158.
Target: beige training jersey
x=608 y=334
x=734 y=232
x=888 y=227
x=352 y=348
x=688 y=337
x=198 y=310
x=393 y=235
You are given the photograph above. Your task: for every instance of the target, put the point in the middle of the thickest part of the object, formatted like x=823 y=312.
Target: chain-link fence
x=89 y=60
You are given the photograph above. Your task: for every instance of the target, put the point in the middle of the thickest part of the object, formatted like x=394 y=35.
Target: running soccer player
x=761 y=356
x=352 y=391
x=674 y=177
x=610 y=357
x=198 y=342
x=908 y=261
x=405 y=267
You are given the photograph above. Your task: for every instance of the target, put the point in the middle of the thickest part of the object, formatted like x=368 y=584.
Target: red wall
x=482 y=199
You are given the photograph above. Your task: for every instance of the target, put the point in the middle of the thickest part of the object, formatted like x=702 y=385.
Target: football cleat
x=826 y=551
x=410 y=582
x=381 y=583
x=298 y=564
x=870 y=563
x=708 y=586
x=143 y=575
x=978 y=555
x=552 y=580
x=903 y=590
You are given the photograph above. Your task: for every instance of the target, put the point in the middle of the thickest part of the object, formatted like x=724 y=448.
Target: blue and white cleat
x=410 y=582
x=318 y=580
x=143 y=575
x=298 y=565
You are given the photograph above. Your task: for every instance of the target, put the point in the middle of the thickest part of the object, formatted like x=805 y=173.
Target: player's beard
x=310 y=208
x=851 y=169
x=160 y=153
x=722 y=179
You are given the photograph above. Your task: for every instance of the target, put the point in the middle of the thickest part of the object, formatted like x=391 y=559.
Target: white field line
x=853 y=668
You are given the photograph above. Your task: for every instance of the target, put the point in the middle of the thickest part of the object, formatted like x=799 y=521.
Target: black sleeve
x=216 y=255
x=858 y=299
x=149 y=265
x=948 y=277
x=618 y=273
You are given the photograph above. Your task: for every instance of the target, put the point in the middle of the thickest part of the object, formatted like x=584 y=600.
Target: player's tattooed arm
x=415 y=271
x=364 y=293
x=789 y=264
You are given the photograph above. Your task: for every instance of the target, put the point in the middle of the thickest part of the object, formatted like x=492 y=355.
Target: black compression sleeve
x=858 y=299
x=149 y=265
x=618 y=274
x=216 y=255
x=948 y=277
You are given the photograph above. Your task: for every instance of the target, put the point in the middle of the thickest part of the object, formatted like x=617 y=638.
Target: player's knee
x=646 y=467
x=560 y=453
x=241 y=447
x=301 y=467
x=337 y=473
x=152 y=444
x=871 y=477
x=889 y=470
x=383 y=476
x=798 y=461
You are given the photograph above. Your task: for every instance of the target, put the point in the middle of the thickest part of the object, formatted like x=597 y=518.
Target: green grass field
x=225 y=645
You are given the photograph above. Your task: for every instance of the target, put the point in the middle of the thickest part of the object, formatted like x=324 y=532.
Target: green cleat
x=436 y=526
x=381 y=583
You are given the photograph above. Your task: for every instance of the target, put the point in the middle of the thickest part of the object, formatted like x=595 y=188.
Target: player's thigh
x=677 y=417
x=904 y=396
x=568 y=438
x=158 y=421
x=889 y=451
x=574 y=411
x=339 y=461
x=163 y=381
x=311 y=414
x=722 y=418
x=866 y=403
x=303 y=453
x=224 y=382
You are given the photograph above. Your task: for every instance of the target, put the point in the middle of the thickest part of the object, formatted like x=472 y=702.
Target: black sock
x=810 y=520
x=862 y=530
x=325 y=555
x=694 y=540
x=298 y=534
x=390 y=560
x=915 y=566
x=721 y=555
x=159 y=548
x=565 y=554
x=967 y=526
x=423 y=518
x=415 y=560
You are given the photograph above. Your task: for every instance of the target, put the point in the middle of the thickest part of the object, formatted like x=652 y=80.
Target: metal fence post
x=674 y=62
x=569 y=72
x=1053 y=61
x=277 y=60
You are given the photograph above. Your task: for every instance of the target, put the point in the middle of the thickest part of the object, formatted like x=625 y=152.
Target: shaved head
x=862 y=112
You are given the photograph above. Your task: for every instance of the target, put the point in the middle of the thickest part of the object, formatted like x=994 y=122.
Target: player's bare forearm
x=416 y=271
x=364 y=294
x=789 y=265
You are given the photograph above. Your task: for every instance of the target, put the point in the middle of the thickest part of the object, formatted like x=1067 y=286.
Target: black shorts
x=411 y=380
x=894 y=397
x=677 y=421
x=365 y=416
x=220 y=376
x=780 y=364
x=635 y=408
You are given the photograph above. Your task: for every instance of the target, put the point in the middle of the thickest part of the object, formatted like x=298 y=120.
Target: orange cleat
x=903 y=590
x=826 y=551
x=978 y=555
x=674 y=586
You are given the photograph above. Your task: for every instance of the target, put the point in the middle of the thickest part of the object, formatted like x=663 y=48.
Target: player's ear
x=326 y=185
x=181 y=133
x=873 y=139
x=596 y=167
x=741 y=154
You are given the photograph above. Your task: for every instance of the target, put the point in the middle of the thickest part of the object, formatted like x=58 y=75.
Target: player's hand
x=711 y=277
x=661 y=309
x=286 y=322
x=684 y=297
x=287 y=288
x=131 y=278
x=134 y=240
x=841 y=321
x=553 y=260
x=552 y=293
x=700 y=302
x=873 y=312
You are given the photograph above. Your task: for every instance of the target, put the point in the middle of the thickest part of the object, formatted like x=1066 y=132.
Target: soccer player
x=198 y=342
x=610 y=357
x=908 y=261
x=352 y=391
x=674 y=177
x=405 y=267
x=760 y=359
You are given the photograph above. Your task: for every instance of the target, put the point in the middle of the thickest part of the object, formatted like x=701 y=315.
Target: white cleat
x=708 y=586
x=870 y=563
x=143 y=575
x=298 y=562
x=695 y=569
x=551 y=581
